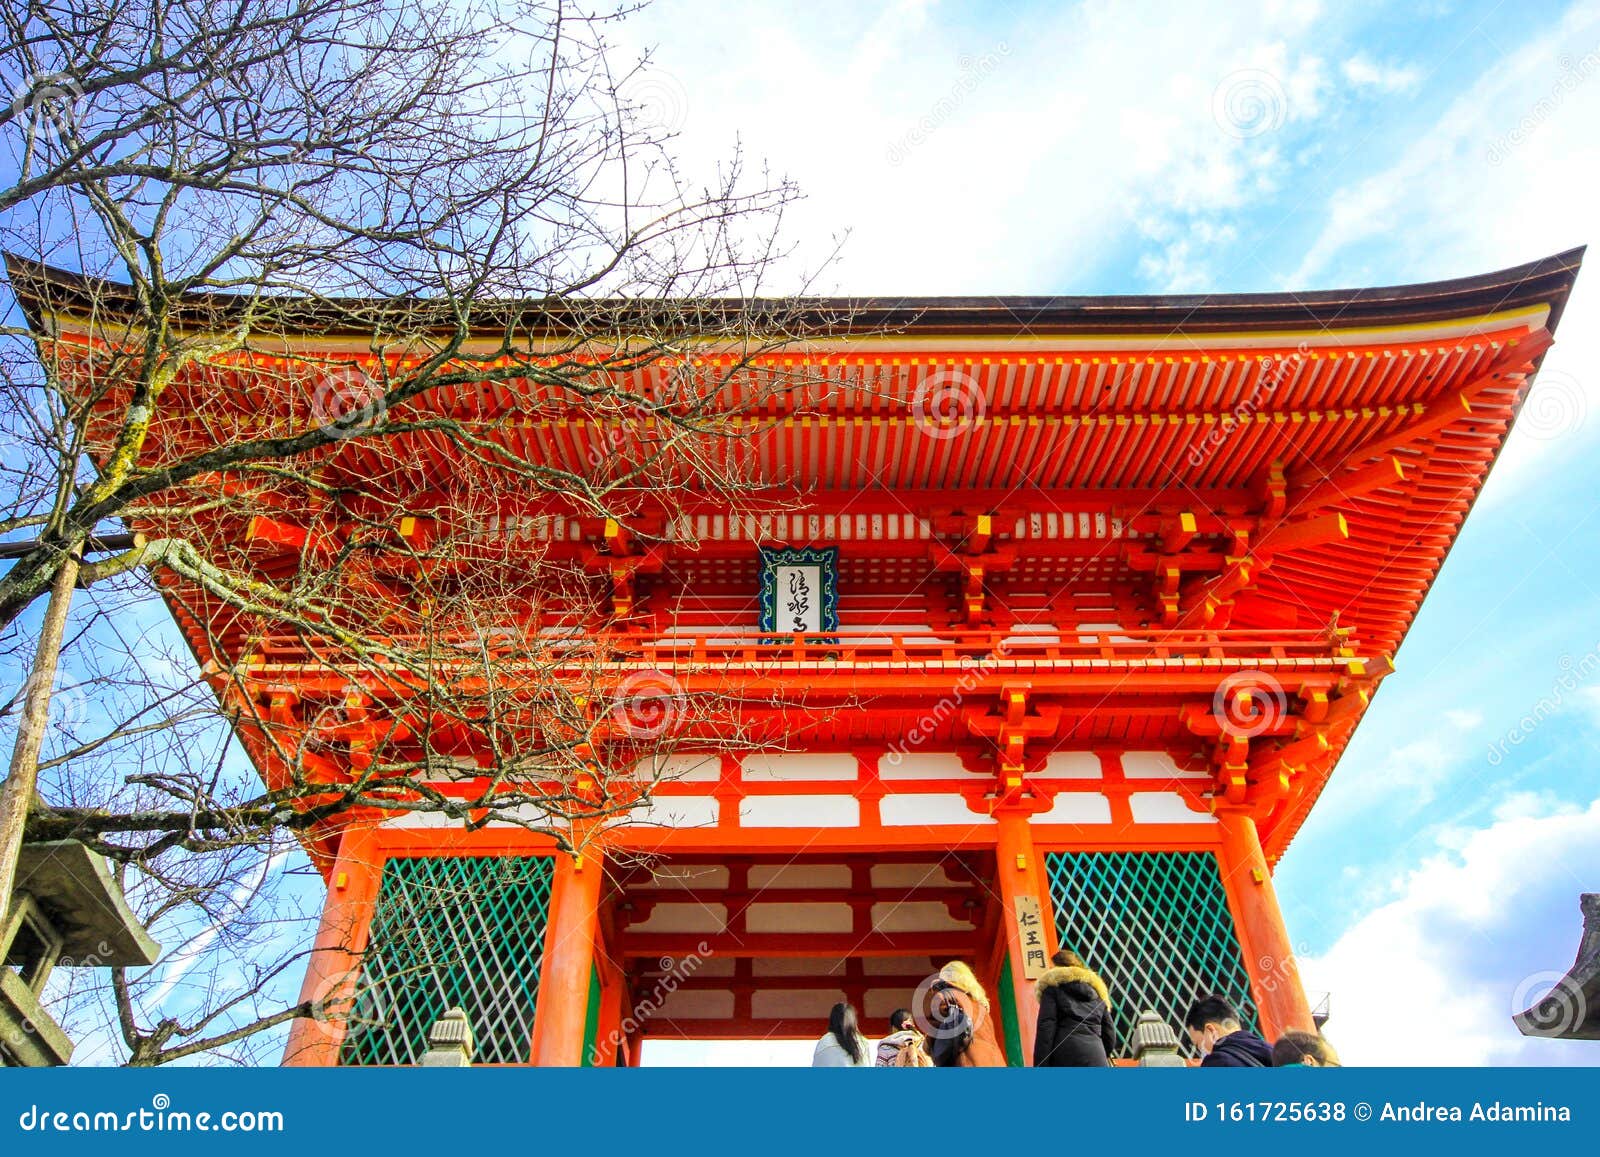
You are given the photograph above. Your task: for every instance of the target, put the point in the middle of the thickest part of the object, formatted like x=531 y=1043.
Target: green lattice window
x=447 y=931
x=1155 y=926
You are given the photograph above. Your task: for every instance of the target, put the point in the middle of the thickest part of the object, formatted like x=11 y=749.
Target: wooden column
x=569 y=958
x=613 y=1001
x=334 y=968
x=1020 y=872
x=1263 y=939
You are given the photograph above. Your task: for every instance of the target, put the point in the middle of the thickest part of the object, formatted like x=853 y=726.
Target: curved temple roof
x=1544 y=283
x=1328 y=445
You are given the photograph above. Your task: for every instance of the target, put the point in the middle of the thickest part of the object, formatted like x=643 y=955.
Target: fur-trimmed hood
x=1058 y=976
x=959 y=975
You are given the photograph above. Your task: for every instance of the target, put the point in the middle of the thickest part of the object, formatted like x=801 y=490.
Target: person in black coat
x=1074 y=1017
x=1220 y=1039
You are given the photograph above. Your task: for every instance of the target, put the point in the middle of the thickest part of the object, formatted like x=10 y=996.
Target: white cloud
x=1589 y=702
x=1403 y=778
x=1430 y=977
x=992 y=160
x=1504 y=176
x=1363 y=72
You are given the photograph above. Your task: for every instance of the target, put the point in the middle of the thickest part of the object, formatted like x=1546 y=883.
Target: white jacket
x=830 y=1054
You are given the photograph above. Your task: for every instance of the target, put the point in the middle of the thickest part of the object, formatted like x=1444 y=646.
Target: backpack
x=952 y=1029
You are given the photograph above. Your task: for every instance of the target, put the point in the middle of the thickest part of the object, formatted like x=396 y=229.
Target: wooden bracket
x=1010 y=728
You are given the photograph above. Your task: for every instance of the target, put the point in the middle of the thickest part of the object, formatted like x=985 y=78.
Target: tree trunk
x=16 y=794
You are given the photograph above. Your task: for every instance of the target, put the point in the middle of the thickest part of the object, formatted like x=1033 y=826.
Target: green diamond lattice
x=448 y=931
x=1155 y=926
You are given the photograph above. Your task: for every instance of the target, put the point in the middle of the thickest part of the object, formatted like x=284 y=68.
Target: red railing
x=865 y=647
x=872 y=649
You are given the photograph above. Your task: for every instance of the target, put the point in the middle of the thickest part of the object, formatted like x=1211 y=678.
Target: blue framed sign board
x=800 y=589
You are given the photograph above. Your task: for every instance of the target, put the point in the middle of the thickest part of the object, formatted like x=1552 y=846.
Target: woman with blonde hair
x=962 y=1033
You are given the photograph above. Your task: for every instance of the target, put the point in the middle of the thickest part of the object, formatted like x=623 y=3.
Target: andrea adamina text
x=1480 y=1111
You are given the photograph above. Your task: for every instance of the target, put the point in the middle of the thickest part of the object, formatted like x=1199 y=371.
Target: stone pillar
x=1154 y=1045
x=1263 y=939
x=569 y=949
x=1020 y=873
x=449 y=1042
x=335 y=965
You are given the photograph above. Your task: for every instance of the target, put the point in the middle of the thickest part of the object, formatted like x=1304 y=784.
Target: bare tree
x=330 y=258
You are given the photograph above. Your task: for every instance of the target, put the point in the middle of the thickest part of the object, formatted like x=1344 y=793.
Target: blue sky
x=1095 y=148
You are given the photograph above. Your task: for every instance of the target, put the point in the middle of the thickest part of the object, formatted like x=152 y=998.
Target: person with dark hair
x=1221 y=1040
x=842 y=1046
x=1074 y=1029
x=1296 y=1049
x=904 y=1047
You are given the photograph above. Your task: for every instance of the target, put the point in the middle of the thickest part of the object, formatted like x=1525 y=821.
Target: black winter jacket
x=1239 y=1050
x=1074 y=1021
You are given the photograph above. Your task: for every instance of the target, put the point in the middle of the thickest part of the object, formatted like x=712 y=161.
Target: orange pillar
x=334 y=968
x=569 y=957
x=613 y=987
x=1021 y=874
x=1263 y=939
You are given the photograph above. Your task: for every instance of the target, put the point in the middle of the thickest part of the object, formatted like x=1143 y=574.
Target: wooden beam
x=811 y=945
x=1344 y=486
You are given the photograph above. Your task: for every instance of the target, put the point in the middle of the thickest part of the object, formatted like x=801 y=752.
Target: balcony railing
x=1031 y=647
x=874 y=649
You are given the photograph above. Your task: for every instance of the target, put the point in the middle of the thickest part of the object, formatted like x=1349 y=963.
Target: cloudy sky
x=1098 y=148
x=1012 y=148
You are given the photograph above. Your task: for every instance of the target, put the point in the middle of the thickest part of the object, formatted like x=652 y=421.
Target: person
x=1220 y=1039
x=1296 y=1049
x=842 y=1046
x=1074 y=1017
x=963 y=1031
x=904 y=1047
